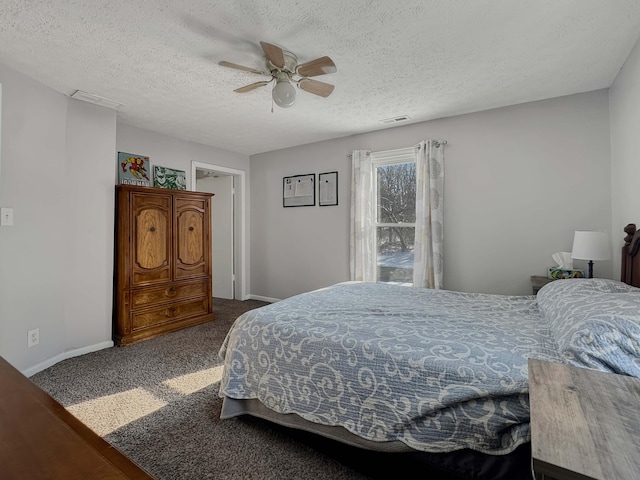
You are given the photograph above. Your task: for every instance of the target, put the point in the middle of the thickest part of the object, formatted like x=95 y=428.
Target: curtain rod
x=436 y=144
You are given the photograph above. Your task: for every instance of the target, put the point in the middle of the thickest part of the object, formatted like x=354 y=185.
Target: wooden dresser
x=163 y=262
x=39 y=439
x=585 y=424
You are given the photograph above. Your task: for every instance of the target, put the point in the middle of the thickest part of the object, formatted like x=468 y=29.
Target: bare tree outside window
x=395 y=223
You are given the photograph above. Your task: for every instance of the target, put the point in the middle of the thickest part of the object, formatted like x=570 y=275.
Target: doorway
x=228 y=227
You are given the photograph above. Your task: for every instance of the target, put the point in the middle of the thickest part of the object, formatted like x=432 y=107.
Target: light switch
x=6 y=217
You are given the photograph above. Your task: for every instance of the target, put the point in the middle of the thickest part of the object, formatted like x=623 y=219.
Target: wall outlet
x=33 y=337
x=6 y=217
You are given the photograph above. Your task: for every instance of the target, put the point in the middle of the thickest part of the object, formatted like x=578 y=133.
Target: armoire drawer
x=158 y=315
x=153 y=296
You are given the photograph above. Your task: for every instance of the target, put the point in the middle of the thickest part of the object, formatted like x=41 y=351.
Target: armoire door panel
x=192 y=239
x=191 y=245
x=151 y=242
x=151 y=239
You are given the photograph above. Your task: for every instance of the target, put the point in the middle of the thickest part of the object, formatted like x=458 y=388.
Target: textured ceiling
x=422 y=58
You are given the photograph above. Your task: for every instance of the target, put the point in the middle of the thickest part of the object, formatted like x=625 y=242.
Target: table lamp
x=591 y=245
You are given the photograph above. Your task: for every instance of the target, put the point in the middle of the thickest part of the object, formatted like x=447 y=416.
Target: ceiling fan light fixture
x=283 y=68
x=283 y=93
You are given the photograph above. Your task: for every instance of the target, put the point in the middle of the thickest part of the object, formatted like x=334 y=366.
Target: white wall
x=624 y=104
x=519 y=181
x=50 y=275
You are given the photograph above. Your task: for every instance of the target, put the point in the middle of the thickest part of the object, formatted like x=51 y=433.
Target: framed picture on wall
x=299 y=190
x=164 y=177
x=328 y=189
x=133 y=169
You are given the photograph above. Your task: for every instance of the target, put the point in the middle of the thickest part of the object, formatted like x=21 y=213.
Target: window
x=397 y=215
x=394 y=198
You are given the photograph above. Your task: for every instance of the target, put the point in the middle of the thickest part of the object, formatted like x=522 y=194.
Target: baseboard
x=264 y=299
x=76 y=352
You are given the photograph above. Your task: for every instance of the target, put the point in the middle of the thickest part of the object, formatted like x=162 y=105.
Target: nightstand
x=584 y=423
x=537 y=282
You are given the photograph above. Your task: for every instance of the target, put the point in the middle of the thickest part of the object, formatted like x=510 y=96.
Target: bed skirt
x=467 y=463
x=234 y=408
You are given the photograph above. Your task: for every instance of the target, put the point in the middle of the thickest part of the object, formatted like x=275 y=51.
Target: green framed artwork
x=164 y=177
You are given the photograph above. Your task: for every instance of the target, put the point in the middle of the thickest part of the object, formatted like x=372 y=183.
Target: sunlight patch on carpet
x=111 y=412
x=193 y=382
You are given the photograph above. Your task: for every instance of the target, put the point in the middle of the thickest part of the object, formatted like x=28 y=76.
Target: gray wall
x=519 y=181
x=179 y=154
x=297 y=249
x=174 y=153
x=58 y=174
x=56 y=261
x=624 y=99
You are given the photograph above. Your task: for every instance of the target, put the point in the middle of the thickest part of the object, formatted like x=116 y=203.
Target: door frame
x=240 y=216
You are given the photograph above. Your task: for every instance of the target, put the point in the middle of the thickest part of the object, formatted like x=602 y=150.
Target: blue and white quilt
x=437 y=370
x=596 y=323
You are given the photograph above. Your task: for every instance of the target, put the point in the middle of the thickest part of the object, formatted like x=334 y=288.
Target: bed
x=396 y=369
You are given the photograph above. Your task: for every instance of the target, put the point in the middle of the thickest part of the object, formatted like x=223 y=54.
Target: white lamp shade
x=284 y=94
x=591 y=246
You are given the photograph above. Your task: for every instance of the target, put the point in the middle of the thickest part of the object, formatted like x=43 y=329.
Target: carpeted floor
x=157 y=401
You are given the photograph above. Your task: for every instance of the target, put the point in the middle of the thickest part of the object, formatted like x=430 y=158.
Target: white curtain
x=361 y=246
x=428 y=251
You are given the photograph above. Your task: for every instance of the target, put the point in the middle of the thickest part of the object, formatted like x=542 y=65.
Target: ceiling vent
x=95 y=99
x=401 y=118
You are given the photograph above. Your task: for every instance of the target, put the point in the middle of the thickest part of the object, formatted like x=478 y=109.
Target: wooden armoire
x=162 y=262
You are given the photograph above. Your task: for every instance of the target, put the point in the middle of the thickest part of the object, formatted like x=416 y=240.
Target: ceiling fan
x=282 y=66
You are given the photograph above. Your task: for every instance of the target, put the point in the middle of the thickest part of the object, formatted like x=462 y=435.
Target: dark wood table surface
x=39 y=439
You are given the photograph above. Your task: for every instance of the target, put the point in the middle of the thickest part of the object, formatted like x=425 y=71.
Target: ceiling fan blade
x=316 y=87
x=253 y=86
x=274 y=54
x=316 y=67
x=240 y=67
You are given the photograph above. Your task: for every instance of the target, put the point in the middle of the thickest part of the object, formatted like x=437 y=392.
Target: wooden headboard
x=630 y=271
